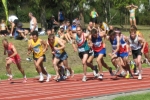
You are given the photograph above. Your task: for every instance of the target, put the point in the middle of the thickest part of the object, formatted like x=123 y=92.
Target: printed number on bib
x=81 y=49
x=36 y=50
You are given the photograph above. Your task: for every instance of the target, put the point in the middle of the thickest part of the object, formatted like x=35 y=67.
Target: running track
x=72 y=88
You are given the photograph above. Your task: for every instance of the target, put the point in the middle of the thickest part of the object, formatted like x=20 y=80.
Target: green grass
x=73 y=59
x=145 y=96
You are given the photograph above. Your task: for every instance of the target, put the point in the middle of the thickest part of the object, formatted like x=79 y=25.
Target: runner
x=57 y=46
x=83 y=50
x=115 y=59
x=146 y=49
x=123 y=52
x=33 y=23
x=13 y=21
x=13 y=57
x=137 y=49
x=38 y=47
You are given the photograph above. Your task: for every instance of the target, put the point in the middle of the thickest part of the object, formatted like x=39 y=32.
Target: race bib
x=36 y=49
x=81 y=49
x=97 y=44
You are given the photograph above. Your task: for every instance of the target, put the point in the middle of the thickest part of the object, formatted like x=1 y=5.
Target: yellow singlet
x=57 y=45
x=37 y=48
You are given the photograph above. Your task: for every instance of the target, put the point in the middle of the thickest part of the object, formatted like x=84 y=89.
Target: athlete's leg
x=8 y=62
x=84 y=63
x=134 y=21
x=55 y=63
x=130 y=21
x=65 y=62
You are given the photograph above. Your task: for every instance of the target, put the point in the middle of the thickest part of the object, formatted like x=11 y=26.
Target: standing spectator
x=13 y=21
x=94 y=16
x=132 y=9
x=61 y=16
x=33 y=23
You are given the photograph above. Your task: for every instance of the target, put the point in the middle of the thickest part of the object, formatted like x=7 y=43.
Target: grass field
x=145 y=96
x=73 y=59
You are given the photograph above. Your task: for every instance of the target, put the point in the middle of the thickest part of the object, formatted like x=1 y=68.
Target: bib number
x=81 y=49
x=36 y=50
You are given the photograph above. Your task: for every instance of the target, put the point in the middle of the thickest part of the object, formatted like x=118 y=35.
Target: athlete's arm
x=15 y=52
x=135 y=7
x=61 y=44
x=141 y=40
x=118 y=44
x=44 y=44
x=102 y=33
x=90 y=42
x=96 y=14
x=12 y=27
x=4 y=51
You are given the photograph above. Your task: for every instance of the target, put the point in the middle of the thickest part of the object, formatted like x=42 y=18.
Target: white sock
x=41 y=74
x=25 y=76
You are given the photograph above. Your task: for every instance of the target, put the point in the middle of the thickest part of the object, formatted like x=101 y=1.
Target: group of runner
x=89 y=44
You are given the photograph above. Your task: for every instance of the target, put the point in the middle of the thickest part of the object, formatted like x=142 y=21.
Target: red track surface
x=71 y=88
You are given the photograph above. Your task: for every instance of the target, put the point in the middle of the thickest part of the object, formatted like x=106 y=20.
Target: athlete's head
x=5 y=43
x=111 y=27
x=79 y=30
x=94 y=33
x=90 y=24
x=61 y=28
x=112 y=34
x=51 y=38
x=133 y=27
x=30 y=14
x=132 y=33
x=35 y=35
x=117 y=30
x=49 y=32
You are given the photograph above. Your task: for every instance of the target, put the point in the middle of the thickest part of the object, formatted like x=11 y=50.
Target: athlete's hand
x=142 y=50
x=7 y=58
x=53 y=52
x=75 y=50
x=55 y=48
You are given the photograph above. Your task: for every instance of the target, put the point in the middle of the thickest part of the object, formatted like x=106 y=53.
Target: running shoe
x=139 y=77
x=137 y=72
x=10 y=77
x=24 y=80
x=127 y=75
x=147 y=62
x=100 y=76
x=117 y=70
x=111 y=72
x=84 y=79
x=48 y=78
x=67 y=73
x=41 y=78
x=29 y=59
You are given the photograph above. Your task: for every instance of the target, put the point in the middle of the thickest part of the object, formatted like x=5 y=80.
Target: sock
x=25 y=76
x=41 y=74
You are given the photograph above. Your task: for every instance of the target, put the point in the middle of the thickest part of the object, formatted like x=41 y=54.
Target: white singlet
x=134 y=44
x=32 y=25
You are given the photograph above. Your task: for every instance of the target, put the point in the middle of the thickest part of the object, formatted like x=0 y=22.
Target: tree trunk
x=81 y=18
x=43 y=18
